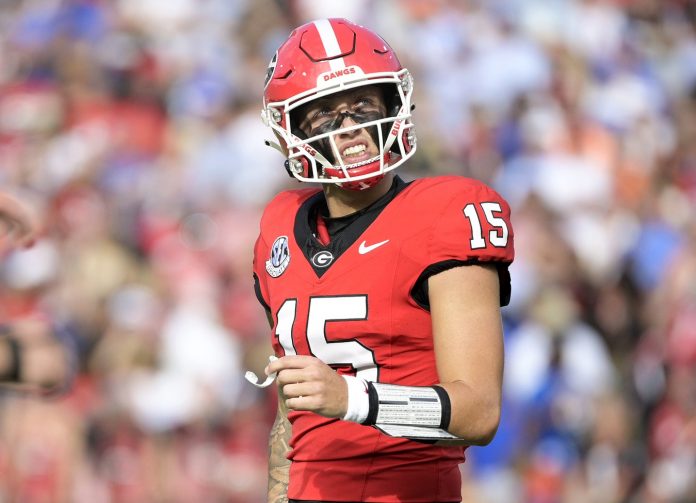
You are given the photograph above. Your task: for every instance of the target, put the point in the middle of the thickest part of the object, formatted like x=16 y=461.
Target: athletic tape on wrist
x=427 y=406
x=358 y=406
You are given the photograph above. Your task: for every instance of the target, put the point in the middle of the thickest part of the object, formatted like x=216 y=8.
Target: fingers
x=18 y=223
x=309 y=384
x=303 y=403
x=290 y=362
x=20 y=236
x=301 y=389
x=24 y=234
x=306 y=396
x=299 y=394
x=300 y=382
x=291 y=376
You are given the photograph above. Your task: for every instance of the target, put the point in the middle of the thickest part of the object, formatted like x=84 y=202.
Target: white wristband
x=358 y=400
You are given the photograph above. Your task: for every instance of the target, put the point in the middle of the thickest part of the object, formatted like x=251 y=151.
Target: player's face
x=342 y=110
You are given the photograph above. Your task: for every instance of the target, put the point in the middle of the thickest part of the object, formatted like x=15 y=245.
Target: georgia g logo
x=322 y=259
x=280 y=257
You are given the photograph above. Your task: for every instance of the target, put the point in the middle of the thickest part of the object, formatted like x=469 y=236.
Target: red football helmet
x=330 y=56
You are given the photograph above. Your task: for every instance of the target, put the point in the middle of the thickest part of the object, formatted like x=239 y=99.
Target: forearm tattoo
x=278 y=463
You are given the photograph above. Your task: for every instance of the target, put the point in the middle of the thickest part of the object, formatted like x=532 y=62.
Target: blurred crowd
x=132 y=127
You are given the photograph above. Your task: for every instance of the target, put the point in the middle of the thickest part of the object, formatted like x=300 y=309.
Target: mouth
x=356 y=153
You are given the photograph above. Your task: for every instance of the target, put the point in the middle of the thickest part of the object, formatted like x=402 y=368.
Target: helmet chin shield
x=319 y=60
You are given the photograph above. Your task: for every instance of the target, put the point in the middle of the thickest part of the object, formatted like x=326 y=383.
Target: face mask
x=359 y=117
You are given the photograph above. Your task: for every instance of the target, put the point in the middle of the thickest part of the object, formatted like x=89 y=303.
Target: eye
x=320 y=113
x=366 y=104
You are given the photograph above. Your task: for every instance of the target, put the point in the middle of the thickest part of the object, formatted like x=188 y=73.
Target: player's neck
x=342 y=202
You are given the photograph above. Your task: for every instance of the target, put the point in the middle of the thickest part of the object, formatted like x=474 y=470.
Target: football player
x=384 y=296
x=33 y=356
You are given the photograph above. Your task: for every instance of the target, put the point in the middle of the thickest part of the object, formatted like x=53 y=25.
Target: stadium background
x=133 y=125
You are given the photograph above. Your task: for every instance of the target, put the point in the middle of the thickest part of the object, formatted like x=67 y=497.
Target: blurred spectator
x=31 y=357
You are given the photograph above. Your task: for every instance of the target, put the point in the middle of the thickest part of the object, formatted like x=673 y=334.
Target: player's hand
x=17 y=224
x=310 y=384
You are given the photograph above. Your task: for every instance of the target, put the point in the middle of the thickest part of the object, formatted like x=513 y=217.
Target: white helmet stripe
x=330 y=42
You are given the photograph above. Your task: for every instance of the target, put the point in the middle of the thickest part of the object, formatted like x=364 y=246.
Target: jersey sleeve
x=260 y=287
x=472 y=227
x=271 y=225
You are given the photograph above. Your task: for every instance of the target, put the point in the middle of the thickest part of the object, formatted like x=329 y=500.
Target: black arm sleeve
x=419 y=292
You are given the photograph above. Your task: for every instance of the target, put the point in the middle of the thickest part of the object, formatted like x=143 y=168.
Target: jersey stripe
x=330 y=43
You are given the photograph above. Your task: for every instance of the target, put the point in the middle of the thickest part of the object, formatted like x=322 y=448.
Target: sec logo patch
x=280 y=257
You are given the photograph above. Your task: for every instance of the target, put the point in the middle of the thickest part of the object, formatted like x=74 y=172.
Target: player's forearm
x=475 y=416
x=278 y=463
x=468 y=342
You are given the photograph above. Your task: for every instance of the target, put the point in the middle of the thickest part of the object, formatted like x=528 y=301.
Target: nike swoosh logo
x=365 y=248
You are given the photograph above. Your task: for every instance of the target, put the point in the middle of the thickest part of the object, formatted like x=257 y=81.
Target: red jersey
x=360 y=304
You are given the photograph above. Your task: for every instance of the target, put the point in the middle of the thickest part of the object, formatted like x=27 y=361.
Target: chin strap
x=275 y=145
